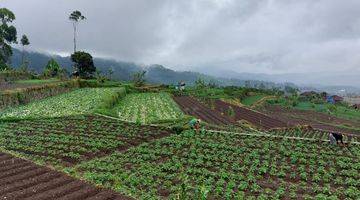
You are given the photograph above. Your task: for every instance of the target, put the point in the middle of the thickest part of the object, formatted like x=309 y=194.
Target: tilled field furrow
x=23 y=169
x=58 y=192
x=251 y=116
x=5 y=158
x=193 y=107
x=38 y=189
x=22 y=176
x=22 y=179
x=107 y=196
x=28 y=182
x=10 y=166
x=81 y=194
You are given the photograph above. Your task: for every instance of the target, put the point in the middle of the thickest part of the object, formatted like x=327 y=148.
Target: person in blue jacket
x=195 y=125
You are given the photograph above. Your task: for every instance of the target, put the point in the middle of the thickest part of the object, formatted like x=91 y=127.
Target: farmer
x=332 y=139
x=338 y=137
x=195 y=124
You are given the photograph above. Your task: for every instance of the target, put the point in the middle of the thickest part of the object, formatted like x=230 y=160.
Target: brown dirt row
x=193 y=107
x=253 y=117
x=319 y=121
x=21 y=179
x=217 y=115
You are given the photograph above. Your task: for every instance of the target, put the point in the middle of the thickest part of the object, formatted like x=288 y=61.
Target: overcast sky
x=260 y=36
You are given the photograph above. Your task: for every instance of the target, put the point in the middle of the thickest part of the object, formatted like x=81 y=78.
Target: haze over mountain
x=124 y=70
x=307 y=41
x=341 y=78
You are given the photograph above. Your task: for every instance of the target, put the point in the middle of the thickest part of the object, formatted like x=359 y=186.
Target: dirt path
x=21 y=179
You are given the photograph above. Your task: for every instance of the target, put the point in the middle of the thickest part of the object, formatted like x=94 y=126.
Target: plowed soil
x=320 y=121
x=21 y=179
x=193 y=107
x=256 y=118
x=218 y=116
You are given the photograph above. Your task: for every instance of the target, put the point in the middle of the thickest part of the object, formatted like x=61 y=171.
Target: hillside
x=123 y=71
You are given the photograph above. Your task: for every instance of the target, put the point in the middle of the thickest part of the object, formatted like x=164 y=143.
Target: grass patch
x=37 y=81
x=252 y=99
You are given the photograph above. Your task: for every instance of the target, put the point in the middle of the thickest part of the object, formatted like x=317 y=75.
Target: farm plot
x=20 y=179
x=148 y=108
x=311 y=134
x=81 y=101
x=249 y=101
x=255 y=118
x=230 y=166
x=317 y=120
x=69 y=140
x=193 y=107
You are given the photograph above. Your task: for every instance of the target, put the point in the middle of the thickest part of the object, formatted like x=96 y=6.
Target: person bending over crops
x=195 y=125
x=332 y=139
x=338 y=137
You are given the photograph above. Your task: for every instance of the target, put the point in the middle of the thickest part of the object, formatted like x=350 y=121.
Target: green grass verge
x=37 y=81
x=252 y=99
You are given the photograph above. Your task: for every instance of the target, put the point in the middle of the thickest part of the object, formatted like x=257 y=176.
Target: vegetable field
x=146 y=108
x=81 y=101
x=312 y=134
x=21 y=179
x=70 y=140
x=229 y=166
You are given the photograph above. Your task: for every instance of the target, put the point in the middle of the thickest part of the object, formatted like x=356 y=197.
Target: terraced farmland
x=149 y=162
x=258 y=119
x=21 y=179
x=70 y=140
x=313 y=134
x=230 y=166
x=148 y=108
x=193 y=107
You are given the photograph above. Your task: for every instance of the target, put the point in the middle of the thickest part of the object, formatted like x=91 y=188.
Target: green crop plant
x=146 y=108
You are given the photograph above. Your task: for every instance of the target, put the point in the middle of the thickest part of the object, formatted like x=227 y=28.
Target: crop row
x=219 y=165
x=311 y=134
x=72 y=139
x=148 y=108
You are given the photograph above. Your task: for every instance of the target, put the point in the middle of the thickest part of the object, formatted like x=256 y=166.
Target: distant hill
x=124 y=70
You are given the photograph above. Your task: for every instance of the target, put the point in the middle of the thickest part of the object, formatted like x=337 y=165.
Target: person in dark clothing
x=338 y=137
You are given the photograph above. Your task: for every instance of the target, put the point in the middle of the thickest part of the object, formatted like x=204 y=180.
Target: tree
x=200 y=83
x=52 y=69
x=8 y=35
x=139 y=78
x=76 y=17
x=84 y=64
x=24 y=42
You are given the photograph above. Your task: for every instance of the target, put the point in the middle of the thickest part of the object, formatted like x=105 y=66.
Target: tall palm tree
x=76 y=17
x=24 y=42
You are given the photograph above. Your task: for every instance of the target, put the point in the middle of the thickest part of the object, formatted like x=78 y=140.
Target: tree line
x=83 y=62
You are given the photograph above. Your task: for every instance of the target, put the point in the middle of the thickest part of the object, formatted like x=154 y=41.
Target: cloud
x=268 y=36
